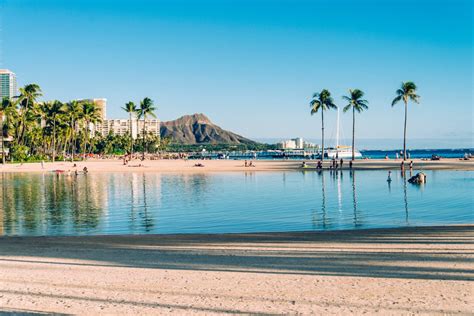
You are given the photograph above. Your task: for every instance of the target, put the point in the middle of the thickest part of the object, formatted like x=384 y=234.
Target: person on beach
x=342 y=161
x=389 y=179
x=396 y=156
x=411 y=165
x=320 y=165
x=350 y=164
x=85 y=170
x=246 y=164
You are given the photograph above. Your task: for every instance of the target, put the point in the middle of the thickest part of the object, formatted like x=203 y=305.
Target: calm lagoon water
x=150 y=203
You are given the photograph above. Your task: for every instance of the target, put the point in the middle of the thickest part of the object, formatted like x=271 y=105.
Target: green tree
x=406 y=93
x=146 y=109
x=73 y=113
x=89 y=114
x=356 y=103
x=322 y=101
x=7 y=107
x=131 y=109
x=27 y=100
x=52 y=110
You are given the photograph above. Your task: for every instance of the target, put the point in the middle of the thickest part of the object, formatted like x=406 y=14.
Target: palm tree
x=146 y=108
x=52 y=110
x=357 y=104
x=131 y=109
x=90 y=114
x=322 y=101
x=27 y=99
x=406 y=92
x=73 y=112
x=6 y=107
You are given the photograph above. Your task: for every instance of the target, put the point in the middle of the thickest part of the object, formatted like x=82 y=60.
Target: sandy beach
x=229 y=165
x=385 y=271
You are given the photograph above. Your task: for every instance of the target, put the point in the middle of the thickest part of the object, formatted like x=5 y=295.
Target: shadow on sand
x=410 y=253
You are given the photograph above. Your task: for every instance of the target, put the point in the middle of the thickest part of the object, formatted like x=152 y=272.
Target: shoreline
x=282 y=234
x=426 y=270
x=185 y=166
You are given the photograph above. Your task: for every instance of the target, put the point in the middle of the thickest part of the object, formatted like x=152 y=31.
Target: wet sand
x=384 y=271
x=229 y=165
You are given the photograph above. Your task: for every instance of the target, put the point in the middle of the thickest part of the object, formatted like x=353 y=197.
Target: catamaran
x=341 y=151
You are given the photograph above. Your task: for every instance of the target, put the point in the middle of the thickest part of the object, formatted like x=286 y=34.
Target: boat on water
x=340 y=151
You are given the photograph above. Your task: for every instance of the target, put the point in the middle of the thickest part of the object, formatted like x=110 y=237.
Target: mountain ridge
x=197 y=128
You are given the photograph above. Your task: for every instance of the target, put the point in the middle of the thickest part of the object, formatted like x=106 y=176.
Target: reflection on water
x=138 y=203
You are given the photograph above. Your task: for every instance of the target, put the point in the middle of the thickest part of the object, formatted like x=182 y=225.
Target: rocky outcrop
x=419 y=178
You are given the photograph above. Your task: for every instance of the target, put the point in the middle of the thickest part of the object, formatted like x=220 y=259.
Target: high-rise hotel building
x=7 y=84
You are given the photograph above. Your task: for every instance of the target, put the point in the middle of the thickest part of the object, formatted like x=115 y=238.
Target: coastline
x=394 y=270
x=184 y=166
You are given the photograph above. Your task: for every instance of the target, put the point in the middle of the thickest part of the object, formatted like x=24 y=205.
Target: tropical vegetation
x=407 y=92
x=356 y=103
x=53 y=130
x=322 y=101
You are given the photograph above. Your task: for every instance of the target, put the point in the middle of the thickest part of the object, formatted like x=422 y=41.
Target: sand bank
x=228 y=165
x=393 y=271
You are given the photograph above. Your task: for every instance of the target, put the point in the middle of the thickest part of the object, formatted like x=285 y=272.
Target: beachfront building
x=122 y=127
x=295 y=143
x=116 y=127
x=7 y=84
x=151 y=127
x=287 y=144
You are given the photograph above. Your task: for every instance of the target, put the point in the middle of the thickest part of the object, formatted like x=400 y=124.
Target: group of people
x=248 y=164
x=402 y=165
x=335 y=164
x=74 y=171
x=397 y=156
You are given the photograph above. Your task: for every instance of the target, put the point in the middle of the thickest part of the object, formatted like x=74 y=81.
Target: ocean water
x=154 y=203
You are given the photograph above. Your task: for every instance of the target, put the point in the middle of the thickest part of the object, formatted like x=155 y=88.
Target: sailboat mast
x=337 y=129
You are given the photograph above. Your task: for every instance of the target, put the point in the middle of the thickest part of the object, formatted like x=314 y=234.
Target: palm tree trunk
x=353 y=133
x=73 y=141
x=23 y=122
x=54 y=138
x=405 y=134
x=143 y=154
x=322 y=133
x=131 y=136
x=85 y=141
x=3 y=142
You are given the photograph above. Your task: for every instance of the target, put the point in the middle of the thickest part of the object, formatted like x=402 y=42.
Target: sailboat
x=341 y=151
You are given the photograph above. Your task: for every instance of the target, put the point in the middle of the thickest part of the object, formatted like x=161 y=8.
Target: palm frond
x=397 y=99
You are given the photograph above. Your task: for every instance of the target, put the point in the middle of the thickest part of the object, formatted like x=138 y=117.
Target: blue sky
x=252 y=66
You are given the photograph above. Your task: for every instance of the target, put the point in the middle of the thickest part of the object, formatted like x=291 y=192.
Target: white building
x=287 y=144
x=295 y=143
x=122 y=127
x=7 y=84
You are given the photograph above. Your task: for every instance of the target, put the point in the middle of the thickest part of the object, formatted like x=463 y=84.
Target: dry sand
x=228 y=165
x=393 y=271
